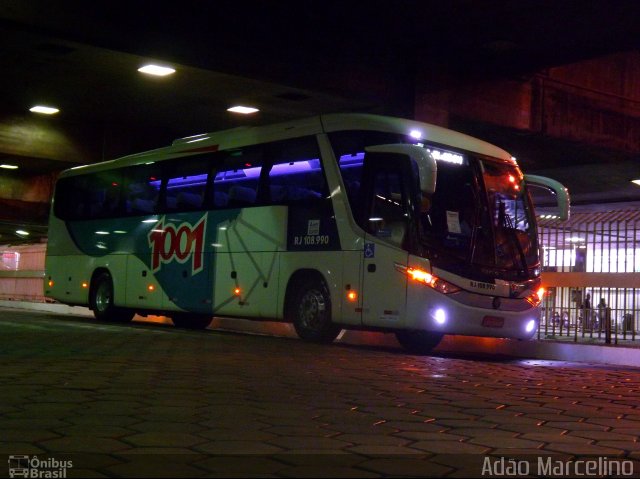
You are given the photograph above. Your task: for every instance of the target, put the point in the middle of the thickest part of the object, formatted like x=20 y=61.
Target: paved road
x=151 y=400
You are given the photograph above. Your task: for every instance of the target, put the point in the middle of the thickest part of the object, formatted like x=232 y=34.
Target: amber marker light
x=85 y=284
x=429 y=279
x=534 y=299
x=352 y=296
x=50 y=283
x=151 y=288
x=419 y=275
x=236 y=291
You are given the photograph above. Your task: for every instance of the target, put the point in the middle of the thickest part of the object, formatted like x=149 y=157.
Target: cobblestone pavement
x=150 y=400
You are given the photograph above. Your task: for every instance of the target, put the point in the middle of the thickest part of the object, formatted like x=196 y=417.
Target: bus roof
x=428 y=132
x=245 y=136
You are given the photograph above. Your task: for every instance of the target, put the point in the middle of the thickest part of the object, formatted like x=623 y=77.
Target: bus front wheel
x=309 y=309
x=191 y=321
x=101 y=301
x=418 y=342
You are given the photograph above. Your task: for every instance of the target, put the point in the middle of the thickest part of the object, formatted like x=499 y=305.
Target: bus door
x=385 y=218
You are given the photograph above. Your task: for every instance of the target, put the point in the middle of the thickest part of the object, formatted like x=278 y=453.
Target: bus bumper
x=470 y=314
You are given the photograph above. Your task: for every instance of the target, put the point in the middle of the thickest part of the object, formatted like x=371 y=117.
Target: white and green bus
x=341 y=221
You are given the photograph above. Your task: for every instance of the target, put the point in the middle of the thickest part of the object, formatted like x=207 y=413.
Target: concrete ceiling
x=99 y=90
x=292 y=59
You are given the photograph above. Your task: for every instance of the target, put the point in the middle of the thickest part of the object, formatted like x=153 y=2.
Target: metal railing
x=605 y=324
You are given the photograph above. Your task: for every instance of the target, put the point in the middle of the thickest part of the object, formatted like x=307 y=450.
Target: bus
x=339 y=221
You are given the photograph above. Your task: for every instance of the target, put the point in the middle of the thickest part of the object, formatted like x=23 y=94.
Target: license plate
x=493 y=322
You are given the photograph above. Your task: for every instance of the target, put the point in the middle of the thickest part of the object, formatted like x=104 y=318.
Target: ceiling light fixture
x=46 y=110
x=22 y=232
x=156 y=70
x=9 y=167
x=245 y=110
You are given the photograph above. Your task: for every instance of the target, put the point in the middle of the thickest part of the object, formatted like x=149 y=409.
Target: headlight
x=535 y=298
x=429 y=279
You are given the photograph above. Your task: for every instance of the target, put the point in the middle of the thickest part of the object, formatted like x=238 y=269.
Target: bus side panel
x=245 y=278
x=71 y=276
x=143 y=290
x=69 y=269
x=351 y=312
x=384 y=288
x=63 y=283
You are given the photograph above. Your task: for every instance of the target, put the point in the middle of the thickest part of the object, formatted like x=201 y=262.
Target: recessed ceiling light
x=9 y=167
x=47 y=110
x=245 y=110
x=156 y=70
x=637 y=182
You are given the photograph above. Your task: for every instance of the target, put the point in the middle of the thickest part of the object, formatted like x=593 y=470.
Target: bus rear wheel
x=309 y=308
x=101 y=301
x=191 y=321
x=418 y=342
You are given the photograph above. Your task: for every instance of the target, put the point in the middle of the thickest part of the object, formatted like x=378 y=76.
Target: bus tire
x=191 y=321
x=101 y=301
x=309 y=309
x=418 y=342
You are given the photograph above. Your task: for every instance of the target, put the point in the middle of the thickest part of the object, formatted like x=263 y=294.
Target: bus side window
x=294 y=174
x=236 y=188
x=142 y=190
x=186 y=183
x=185 y=193
x=296 y=181
x=237 y=177
x=241 y=196
x=113 y=189
x=88 y=196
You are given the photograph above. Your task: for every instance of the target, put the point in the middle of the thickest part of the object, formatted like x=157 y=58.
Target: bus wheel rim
x=103 y=297
x=312 y=308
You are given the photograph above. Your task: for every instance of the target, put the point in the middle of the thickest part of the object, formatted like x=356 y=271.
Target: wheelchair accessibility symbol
x=369 y=250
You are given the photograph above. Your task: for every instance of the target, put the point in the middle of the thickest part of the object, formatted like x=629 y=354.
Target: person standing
x=602 y=312
x=586 y=311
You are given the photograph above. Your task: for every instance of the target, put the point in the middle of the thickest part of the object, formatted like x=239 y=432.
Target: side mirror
x=427 y=168
x=557 y=188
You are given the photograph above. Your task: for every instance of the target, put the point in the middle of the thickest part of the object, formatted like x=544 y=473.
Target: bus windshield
x=511 y=218
x=480 y=221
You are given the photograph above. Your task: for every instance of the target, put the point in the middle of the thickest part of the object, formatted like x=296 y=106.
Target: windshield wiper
x=504 y=220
